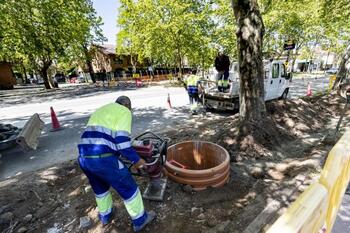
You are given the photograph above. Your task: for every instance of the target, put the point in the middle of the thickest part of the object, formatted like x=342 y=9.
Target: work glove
x=140 y=164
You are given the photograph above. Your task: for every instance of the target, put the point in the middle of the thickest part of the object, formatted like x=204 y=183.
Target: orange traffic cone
x=309 y=91
x=55 y=123
x=169 y=102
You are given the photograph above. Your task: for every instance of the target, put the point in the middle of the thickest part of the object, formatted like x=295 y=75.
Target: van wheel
x=285 y=94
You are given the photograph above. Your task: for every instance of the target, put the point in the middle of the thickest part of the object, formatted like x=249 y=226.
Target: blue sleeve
x=126 y=150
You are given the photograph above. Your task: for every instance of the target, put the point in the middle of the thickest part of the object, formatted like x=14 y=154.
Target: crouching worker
x=105 y=139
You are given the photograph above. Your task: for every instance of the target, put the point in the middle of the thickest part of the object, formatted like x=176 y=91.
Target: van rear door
x=274 y=82
x=285 y=80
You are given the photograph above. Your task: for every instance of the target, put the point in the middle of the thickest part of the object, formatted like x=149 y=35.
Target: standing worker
x=150 y=71
x=192 y=82
x=105 y=139
x=222 y=65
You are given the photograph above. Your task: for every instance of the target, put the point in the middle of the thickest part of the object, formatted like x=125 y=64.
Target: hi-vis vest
x=192 y=84
x=108 y=131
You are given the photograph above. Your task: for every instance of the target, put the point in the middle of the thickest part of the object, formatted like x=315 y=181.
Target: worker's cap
x=125 y=101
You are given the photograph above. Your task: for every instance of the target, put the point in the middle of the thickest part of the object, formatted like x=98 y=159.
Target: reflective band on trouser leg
x=134 y=206
x=219 y=83
x=104 y=203
x=194 y=107
x=223 y=83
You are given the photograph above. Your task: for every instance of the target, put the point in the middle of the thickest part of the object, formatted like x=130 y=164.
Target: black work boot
x=150 y=217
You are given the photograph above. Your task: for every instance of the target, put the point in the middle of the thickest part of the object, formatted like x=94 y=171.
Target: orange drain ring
x=199 y=164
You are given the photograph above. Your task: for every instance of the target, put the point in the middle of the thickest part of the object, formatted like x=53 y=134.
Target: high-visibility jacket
x=192 y=84
x=108 y=131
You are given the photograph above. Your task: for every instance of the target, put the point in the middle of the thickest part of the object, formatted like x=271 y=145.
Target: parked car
x=73 y=80
x=40 y=81
x=61 y=78
x=81 y=79
x=332 y=71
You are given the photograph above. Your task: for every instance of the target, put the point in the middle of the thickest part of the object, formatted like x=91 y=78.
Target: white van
x=276 y=85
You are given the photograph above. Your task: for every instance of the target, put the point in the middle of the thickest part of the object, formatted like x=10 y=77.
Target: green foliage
x=225 y=28
x=168 y=31
x=37 y=33
x=45 y=31
x=288 y=21
x=335 y=12
x=335 y=15
x=306 y=22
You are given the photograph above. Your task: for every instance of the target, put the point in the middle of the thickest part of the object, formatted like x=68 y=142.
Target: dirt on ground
x=270 y=163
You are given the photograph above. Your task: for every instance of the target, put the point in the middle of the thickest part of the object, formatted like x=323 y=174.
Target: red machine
x=153 y=149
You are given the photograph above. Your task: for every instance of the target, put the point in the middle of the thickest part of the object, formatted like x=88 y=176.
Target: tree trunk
x=44 y=74
x=295 y=56
x=325 y=65
x=293 y=64
x=25 y=74
x=294 y=59
x=91 y=71
x=133 y=63
x=182 y=67
x=179 y=62
x=202 y=66
x=341 y=75
x=311 y=61
x=46 y=79
x=88 y=60
x=250 y=32
x=179 y=58
x=21 y=77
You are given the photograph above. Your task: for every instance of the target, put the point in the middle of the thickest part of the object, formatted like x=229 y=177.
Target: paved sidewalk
x=342 y=223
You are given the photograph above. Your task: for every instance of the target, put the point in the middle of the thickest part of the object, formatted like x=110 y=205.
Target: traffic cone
x=55 y=123
x=139 y=83
x=309 y=91
x=169 y=102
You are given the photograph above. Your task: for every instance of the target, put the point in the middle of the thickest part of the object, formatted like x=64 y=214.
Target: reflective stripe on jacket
x=192 y=84
x=108 y=131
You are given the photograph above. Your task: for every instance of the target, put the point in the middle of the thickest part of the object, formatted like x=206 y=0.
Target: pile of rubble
x=8 y=131
x=8 y=135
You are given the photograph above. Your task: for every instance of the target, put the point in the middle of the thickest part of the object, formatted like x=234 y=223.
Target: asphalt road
x=74 y=108
x=298 y=87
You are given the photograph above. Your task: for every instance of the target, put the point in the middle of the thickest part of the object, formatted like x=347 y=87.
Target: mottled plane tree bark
x=341 y=75
x=250 y=32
